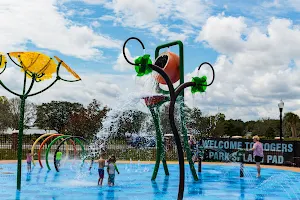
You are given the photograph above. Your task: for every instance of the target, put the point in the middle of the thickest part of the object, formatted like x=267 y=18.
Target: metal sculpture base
x=154 y=103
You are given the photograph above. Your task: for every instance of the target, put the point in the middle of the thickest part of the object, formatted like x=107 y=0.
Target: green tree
x=270 y=133
x=194 y=120
x=219 y=128
x=130 y=121
x=291 y=120
x=249 y=126
x=14 y=113
x=56 y=115
x=164 y=118
x=88 y=121
x=5 y=113
x=234 y=127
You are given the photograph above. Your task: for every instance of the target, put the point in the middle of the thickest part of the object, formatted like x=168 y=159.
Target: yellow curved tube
x=37 y=140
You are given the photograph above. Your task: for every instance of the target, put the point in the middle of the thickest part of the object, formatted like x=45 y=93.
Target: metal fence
x=290 y=153
x=120 y=148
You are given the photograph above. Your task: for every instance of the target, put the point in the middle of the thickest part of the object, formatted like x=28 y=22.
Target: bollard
x=242 y=169
x=199 y=165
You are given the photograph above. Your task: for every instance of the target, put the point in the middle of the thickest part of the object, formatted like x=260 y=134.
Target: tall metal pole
x=281 y=132
x=20 y=135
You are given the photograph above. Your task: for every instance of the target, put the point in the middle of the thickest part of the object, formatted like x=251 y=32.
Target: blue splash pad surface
x=134 y=183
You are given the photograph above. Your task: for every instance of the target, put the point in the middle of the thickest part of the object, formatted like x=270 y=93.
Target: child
x=111 y=168
x=58 y=158
x=28 y=160
x=101 y=162
x=192 y=144
x=92 y=162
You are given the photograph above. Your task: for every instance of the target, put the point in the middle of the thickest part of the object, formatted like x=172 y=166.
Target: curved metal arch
x=36 y=141
x=49 y=147
x=76 y=138
x=48 y=138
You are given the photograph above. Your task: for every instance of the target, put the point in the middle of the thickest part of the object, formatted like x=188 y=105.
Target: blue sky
x=253 y=45
x=255 y=11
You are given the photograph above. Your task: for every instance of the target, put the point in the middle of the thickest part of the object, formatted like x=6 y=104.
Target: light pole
x=280 y=106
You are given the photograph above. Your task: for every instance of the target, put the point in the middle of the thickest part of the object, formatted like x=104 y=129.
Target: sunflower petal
x=68 y=68
x=2 y=60
x=35 y=62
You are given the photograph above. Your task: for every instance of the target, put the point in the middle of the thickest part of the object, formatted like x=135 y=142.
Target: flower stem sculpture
x=144 y=66
x=37 y=67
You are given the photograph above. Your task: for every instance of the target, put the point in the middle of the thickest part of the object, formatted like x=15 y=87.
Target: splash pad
x=218 y=182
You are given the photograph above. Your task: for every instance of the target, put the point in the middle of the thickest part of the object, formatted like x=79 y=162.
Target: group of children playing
x=111 y=169
x=29 y=159
x=110 y=164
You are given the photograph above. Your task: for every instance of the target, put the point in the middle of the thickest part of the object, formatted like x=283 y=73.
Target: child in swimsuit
x=28 y=160
x=111 y=168
x=101 y=162
x=91 y=165
x=58 y=158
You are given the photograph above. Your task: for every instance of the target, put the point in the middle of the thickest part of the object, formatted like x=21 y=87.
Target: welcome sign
x=275 y=152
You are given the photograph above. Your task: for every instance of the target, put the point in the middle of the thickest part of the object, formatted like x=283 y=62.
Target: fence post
x=14 y=140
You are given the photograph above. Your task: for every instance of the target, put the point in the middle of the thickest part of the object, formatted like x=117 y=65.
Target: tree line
x=77 y=119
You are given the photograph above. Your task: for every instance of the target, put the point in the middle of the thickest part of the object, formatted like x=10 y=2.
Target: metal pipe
x=199 y=164
x=242 y=169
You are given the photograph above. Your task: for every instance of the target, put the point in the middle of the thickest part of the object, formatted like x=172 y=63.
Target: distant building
x=30 y=131
x=248 y=135
x=237 y=137
x=278 y=138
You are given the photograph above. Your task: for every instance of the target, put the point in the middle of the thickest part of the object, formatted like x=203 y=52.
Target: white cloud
x=156 y=15
x=275 y=3
x=105 y=88
x=74 y=12
x=95 y=24
x=95 y=2
x=107 y=18
x=252 y=72
x=41 y=23
x=295 y=4
x=284 y=5
x=223 y=33
x=121 y=64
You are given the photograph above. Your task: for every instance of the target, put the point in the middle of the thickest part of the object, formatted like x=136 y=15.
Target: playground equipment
x=169 y=72
x=38 y=67
x=62 y=142
x=64 y=139
x=54 y=141
x=49 y=136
